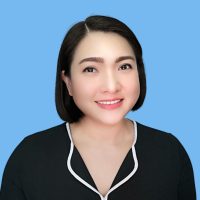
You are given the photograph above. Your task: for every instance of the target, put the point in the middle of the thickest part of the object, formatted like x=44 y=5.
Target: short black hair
x=66 y=108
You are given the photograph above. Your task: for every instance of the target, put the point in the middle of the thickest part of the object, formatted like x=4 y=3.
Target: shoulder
x=156 y=136
x=36 y=153
x=46 y=137
x=164 y=158
x=40 y=146
x=161 y=144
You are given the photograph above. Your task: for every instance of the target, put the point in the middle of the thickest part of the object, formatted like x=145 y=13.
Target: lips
x=108 y=100
x=109 y=104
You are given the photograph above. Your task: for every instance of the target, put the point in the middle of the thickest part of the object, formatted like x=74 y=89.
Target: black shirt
x=47 y=166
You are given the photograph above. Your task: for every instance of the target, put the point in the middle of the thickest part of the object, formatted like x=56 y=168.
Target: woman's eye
x=89 y=69
x=126 y=66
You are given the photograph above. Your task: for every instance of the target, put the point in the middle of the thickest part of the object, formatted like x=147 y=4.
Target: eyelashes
x=122 y=67
x=89 y=69
x=126 y=66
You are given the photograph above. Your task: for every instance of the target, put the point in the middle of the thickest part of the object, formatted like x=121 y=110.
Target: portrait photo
x=99 y=100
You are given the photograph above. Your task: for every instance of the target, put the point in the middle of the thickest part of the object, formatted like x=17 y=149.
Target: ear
x=67 y=81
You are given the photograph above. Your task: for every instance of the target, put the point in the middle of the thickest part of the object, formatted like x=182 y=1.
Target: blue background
x=30 y=36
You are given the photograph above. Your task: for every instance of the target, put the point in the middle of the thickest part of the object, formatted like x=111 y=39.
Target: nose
x=110 y=83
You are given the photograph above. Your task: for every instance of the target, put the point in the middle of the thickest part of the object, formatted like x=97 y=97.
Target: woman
x=97 y=153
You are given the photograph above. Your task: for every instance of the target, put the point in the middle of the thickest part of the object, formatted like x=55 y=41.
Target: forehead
x=103 y=44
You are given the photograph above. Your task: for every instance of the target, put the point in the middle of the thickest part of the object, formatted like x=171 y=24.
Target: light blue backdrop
x=30 y=36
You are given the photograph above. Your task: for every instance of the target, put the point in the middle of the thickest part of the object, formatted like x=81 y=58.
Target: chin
x=111 y=120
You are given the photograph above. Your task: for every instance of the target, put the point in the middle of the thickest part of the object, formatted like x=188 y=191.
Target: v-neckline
x=79 y=170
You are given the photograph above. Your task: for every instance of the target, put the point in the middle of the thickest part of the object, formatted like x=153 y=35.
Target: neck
x=102 y=133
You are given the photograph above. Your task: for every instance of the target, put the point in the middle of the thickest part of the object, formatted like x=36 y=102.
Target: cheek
x=82 y=88
x=133 y=85
x=133 y=92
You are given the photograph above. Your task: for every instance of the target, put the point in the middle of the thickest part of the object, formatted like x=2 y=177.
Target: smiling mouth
x=110 y=104
x=107 y=102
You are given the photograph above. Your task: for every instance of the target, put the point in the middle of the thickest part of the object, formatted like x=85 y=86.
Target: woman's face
x=104 y=79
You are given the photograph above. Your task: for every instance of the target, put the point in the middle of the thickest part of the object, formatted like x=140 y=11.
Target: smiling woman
x=97 y=153
x=110 y=79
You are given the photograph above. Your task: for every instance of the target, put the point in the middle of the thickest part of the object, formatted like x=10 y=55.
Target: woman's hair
x=66 y=108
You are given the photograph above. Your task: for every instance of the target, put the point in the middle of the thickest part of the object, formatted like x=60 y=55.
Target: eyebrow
x=101 y=60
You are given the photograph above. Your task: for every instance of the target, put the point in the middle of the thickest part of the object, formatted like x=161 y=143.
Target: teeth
x=108 y=102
